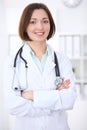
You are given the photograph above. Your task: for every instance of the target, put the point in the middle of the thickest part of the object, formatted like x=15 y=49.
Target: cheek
x=48 y=29
x=29 y=29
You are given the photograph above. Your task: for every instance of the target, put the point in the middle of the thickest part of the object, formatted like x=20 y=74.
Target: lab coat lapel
x=40 y=78
x=49 y=66
x=26 y=55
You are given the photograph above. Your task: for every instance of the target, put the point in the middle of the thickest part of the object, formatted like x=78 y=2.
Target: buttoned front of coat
x=47 y=111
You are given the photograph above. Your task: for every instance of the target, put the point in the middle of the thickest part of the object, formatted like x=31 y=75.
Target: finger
x=64 y=85
x=67 y=81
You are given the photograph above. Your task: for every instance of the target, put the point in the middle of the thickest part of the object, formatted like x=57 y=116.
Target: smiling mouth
x=39 y=33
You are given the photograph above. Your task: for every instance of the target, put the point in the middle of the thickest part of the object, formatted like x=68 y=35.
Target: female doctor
x=35 y=95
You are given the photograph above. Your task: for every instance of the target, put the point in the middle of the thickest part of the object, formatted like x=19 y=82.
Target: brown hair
x=26 y=16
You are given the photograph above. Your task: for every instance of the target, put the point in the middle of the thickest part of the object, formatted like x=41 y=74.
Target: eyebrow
x=36 y=18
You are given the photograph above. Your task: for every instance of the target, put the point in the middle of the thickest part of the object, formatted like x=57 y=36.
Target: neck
x=38 y=48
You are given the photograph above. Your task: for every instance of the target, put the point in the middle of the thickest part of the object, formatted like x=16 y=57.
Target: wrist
x=27 y=95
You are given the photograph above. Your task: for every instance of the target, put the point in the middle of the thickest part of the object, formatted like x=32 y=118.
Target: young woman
x=35 y=95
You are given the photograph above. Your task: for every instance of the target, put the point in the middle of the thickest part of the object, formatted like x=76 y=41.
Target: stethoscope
x=58 y=80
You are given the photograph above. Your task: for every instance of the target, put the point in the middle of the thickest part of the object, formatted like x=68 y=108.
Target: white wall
x=73 y=20
x=3 y=53
x=67 y=21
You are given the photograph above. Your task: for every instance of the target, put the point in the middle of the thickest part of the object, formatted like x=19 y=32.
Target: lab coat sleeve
x=55 y=99
x=17 y=105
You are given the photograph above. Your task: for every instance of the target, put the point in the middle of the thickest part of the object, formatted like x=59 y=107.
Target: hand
x=65 y=85
x=27 y=95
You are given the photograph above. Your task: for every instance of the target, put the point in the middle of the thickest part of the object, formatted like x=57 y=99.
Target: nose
x=40 y=25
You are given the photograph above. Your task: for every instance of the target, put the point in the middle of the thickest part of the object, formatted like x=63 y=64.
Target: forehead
x=39 y=13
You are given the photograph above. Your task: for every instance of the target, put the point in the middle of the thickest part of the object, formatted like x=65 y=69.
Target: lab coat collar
x=27 y=50
x=50 y=60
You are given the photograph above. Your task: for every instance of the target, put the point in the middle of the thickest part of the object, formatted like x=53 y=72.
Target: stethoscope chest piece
x=58 y=81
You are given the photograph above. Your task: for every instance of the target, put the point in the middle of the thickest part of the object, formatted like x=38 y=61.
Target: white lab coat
x=47 y=111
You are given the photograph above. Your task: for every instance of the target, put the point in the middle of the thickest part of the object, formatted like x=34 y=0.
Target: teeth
x=39 y=33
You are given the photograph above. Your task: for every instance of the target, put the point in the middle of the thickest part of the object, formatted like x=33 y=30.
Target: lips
x=39 y=33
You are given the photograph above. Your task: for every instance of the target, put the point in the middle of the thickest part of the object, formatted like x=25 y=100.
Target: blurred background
x=70 y=39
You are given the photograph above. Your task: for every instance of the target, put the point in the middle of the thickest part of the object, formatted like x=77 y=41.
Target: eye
x=46 y=21
x=32 y=22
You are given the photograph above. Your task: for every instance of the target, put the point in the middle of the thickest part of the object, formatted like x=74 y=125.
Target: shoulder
x=62 y=58
x=51 y=50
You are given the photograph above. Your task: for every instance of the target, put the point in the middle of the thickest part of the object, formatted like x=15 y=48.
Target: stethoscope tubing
x=58 y=80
